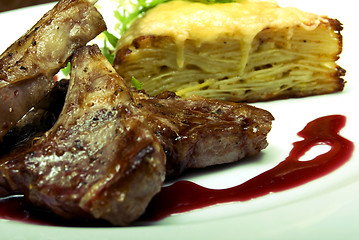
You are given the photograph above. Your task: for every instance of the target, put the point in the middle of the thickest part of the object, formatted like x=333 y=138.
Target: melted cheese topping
x=201 y=22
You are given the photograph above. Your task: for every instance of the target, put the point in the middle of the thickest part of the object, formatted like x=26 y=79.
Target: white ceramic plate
x=326 y=208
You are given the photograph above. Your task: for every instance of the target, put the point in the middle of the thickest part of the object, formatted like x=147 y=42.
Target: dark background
x=6 y=5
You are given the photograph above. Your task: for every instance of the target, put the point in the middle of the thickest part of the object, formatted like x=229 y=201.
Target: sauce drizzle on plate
x=184 y=196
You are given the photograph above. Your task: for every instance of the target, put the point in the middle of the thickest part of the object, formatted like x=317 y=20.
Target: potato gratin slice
x=243 y=51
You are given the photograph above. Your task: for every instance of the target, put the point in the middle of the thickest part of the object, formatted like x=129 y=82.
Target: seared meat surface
x=29 y=64
x=100 y=159
x=197 y=132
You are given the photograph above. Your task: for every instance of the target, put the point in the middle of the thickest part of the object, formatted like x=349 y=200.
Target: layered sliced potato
x=242 y=51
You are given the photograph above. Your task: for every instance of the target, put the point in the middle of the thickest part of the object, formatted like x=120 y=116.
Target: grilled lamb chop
x=103 y=157
x=194 y=132
x=29 y=64
x=100 y=160
x=198 y=132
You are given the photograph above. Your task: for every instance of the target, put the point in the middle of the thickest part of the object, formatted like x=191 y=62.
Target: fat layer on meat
x=29 y=64
x=99 y=160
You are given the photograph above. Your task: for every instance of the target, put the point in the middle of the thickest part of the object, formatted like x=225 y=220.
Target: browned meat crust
x=99 y=160
x=29 y=64
x=199 y=132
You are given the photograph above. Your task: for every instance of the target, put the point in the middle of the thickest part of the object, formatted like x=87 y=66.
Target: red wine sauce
x=184 y=196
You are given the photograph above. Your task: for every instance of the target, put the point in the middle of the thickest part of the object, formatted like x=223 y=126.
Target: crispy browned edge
x=147 y=41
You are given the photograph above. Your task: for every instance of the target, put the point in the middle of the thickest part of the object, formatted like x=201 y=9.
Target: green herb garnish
x=137 y=84
x=112 y=39
x=66 y=70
